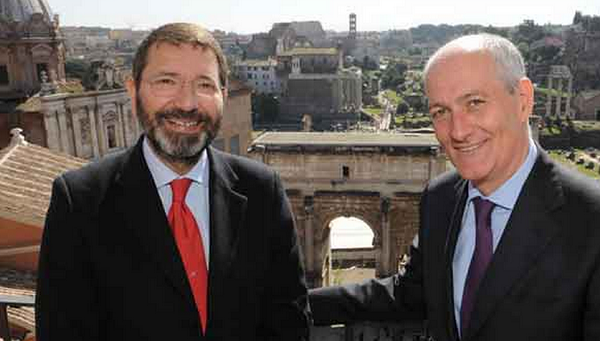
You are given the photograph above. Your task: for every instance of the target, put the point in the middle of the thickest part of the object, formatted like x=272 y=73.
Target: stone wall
x=236 y=129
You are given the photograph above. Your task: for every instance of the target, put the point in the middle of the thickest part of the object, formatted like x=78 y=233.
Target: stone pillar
x=559 y=97
x=102 y=145
x=549 y=98
x=78 y=147
x=383 y=267
x=94 y=133
x=65 y=146
x=124 y=123
x=570 y=91
x=52 y=131
x=309 y=237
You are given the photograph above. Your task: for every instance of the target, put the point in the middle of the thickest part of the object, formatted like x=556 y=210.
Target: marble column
x=549 y=98
x=78 y=146
x=63 y=135
x=309 y=239
x=559 y=97
x=570 y=91
x=94 y=133
x=385 y=266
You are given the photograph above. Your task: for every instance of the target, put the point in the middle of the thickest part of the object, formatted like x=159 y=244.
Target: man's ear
x=526 y=98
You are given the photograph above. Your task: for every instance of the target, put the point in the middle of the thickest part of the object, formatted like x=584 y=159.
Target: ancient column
x=94 y=133
x=65 y=146
x=78 y=147
x=384 y=264
x=124 y=123
x=549 y=98
x=309 y=237
x=570 y=91
x=559 y=97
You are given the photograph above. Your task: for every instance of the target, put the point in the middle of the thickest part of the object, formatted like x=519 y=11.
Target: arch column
x=312 y=275
x=383 y=266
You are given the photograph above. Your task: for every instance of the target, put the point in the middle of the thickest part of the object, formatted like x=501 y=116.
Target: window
x=597 y=114
x=42 y=67
x=219 y=144
x=111 y=135
x=4 y=80
x=345 y=172
x=249 y=75
x=234 y=145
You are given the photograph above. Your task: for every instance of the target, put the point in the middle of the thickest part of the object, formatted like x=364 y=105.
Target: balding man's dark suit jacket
x=543 y=282
x=110 y=270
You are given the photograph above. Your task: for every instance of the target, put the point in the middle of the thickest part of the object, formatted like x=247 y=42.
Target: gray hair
x=509 y=61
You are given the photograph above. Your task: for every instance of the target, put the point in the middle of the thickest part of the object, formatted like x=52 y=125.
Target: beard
x=178 y=147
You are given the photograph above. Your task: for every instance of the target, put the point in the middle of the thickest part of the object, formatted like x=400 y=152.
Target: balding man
x=509 y=243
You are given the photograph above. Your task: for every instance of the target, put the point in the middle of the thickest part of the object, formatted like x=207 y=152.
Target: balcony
x=371 y=331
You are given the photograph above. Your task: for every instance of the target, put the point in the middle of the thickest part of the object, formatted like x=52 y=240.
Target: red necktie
x=189 y=243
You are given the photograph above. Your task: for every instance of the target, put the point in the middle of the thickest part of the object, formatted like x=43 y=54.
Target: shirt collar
x=163 y=175
x=507 y=194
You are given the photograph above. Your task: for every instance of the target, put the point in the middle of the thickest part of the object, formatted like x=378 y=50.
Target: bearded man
x=172 y=239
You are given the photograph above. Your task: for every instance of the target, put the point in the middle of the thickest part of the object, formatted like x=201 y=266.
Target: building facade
x=260 y=75
x=30 y=44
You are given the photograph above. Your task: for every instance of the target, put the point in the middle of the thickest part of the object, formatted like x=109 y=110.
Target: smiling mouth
x=469 y=149
x=183 y=124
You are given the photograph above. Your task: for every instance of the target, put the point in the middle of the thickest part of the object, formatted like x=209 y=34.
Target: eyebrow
x=175 y=74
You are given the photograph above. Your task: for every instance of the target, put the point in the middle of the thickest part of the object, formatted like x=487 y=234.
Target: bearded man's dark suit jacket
x=110 y=270
x=543 y=282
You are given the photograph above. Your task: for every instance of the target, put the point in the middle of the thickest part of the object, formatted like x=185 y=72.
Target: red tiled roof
x=26 y=174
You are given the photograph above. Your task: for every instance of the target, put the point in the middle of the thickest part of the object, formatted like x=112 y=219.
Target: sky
x=253 y=16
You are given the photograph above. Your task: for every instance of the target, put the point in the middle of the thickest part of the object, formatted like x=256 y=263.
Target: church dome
x=23 y=10
x=27 y=19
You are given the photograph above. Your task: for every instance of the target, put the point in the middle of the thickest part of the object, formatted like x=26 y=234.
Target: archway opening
x=353 y=256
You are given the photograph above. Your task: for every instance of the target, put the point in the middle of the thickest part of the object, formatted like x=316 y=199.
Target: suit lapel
x=528 y=231
x=460 y=190
x=227 y=213
x=144 y=214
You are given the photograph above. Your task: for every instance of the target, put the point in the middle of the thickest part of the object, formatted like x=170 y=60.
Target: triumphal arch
x=372 y=176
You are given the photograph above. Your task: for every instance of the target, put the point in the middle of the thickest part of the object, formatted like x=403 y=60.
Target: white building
x=260 y=75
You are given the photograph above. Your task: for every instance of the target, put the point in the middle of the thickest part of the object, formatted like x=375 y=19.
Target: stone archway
x=394 y=222
x=375 y=177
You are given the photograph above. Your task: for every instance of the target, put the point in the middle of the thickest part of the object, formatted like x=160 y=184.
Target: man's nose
x=461 y=125
x=187 y=98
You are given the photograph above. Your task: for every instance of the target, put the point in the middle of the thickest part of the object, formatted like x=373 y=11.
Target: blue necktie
x=481 y=258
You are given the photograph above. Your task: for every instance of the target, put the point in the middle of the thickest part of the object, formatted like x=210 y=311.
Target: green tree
x=76 y=68
x=394 y=75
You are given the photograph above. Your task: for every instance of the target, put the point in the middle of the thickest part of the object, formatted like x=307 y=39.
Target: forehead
x=459 y=71
x=183 y=59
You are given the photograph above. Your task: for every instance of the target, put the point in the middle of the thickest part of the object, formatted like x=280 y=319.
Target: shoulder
x=97 y=172
x=87 y=185
x=444 y=186
x=579 y=191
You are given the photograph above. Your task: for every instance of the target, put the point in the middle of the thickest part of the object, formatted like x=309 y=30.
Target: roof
x=26 y=175
x=258 y=62
x=19 y=284
x=311 y=29
x=561 y=71
x=348 y=139
x=303 y=51
x=587 y=95
x=22 y=10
